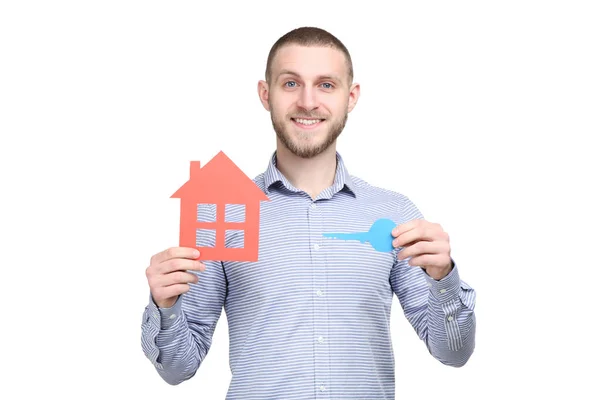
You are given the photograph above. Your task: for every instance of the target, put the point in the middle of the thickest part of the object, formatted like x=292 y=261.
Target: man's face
x=309 y=98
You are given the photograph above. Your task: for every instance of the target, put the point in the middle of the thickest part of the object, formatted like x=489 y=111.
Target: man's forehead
x=309 y=61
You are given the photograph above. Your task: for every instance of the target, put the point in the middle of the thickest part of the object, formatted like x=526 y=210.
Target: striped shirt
x=311 y=318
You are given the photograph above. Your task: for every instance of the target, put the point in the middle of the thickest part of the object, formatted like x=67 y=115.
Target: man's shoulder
x=383 y=197
x=371 y=190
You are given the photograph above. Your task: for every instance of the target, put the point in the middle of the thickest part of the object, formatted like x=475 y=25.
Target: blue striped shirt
x=311 y=318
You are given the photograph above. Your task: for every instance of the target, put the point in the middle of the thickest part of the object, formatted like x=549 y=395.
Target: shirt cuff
x=446 y=288
x=168 y=316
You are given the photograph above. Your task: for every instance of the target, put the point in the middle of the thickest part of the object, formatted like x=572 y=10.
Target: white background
x=486 y=114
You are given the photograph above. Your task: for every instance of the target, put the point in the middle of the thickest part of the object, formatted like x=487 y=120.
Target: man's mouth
x=307 y=123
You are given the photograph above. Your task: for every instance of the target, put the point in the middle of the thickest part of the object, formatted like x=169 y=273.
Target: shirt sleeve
x=441 y=312
x=177 y=339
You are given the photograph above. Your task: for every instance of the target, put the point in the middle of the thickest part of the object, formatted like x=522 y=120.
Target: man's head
x=308 y=90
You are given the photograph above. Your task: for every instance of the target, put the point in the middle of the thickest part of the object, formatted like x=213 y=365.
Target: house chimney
x=194 y=169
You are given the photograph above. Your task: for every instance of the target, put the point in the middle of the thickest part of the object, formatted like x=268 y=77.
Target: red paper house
x=222 y=185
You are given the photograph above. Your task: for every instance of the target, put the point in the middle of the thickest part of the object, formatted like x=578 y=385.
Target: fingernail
x=196 y=253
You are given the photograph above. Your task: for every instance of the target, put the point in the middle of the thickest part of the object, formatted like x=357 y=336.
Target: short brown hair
x=308 y=36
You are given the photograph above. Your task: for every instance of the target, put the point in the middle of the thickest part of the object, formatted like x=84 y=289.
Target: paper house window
x=234 y=239
x=235 y=212
x=205 y=237
x=207 y=212
x=220 y=210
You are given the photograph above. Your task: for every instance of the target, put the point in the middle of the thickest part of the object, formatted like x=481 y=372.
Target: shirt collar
x=342 y=179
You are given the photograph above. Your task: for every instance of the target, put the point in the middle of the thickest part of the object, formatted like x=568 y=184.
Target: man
x=310 y=319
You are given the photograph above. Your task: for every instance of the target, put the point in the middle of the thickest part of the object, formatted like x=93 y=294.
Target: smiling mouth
x=307 y=123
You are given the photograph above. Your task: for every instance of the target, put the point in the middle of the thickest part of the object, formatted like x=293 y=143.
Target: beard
x=301 y=146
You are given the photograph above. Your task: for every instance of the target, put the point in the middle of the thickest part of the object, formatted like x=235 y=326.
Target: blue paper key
x=379 y=235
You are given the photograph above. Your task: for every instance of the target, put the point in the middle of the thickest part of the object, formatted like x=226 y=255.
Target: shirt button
x=442 y=291
x=450 y=318
x=316 y=246
x=319 y=293
x=172 y=316
x=313 y=206
x=321 y=340
x=322 y=388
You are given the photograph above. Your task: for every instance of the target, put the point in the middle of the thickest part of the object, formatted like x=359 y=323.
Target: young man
x=310 y=319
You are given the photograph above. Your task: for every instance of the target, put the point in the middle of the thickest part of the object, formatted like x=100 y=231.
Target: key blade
x=362 y=236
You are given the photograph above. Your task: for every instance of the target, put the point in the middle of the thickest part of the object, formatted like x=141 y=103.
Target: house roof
x=219 y=181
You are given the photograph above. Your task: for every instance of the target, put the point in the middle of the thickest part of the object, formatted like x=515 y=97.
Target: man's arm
x=177 y=339
x=441 y=310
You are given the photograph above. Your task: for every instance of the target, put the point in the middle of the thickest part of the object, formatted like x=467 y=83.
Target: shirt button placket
x=320 y=329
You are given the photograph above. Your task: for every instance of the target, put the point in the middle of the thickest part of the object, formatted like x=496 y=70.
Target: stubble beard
x=301 y=147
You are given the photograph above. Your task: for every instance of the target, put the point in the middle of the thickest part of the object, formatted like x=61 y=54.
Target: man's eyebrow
x=320 y=77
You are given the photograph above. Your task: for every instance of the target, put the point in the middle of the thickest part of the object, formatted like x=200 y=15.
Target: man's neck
x=312 y=175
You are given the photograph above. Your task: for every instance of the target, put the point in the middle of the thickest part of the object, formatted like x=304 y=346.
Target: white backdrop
x=483 y=113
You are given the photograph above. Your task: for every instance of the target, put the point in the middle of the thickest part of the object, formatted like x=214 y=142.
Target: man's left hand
x=427 y=244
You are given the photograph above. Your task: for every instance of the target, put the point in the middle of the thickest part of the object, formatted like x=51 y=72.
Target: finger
x=407 y=226
x=167 y=292
x=176 y=252
x=429 y=260
x=423 y=247
x=417 y=234
x=181 y=264
x=177 y=277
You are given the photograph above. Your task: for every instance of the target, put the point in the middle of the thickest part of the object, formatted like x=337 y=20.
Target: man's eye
x=328 y=87
x=288 y=83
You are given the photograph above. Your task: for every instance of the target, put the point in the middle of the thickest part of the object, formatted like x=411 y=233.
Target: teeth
x=307 y=121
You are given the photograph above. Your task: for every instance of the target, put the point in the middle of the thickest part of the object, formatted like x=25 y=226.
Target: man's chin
x=304 y=143
x=308 y=150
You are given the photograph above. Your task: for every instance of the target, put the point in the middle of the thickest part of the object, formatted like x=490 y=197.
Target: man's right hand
x=167 y=276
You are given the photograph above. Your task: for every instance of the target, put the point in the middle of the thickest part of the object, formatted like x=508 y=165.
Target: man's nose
x=308 y=99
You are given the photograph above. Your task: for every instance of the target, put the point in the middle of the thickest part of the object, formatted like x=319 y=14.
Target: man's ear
x=353 y=96
x=263 y=94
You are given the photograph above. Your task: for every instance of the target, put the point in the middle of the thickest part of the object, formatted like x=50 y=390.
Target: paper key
x=379 y=236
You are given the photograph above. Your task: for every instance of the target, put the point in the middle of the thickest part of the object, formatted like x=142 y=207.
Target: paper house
x=222 y=185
